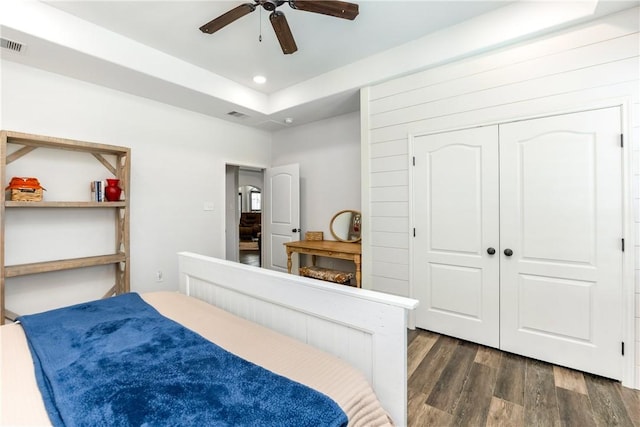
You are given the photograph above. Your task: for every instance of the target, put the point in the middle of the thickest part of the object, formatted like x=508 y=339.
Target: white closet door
x=561 y=215
x=456 y=220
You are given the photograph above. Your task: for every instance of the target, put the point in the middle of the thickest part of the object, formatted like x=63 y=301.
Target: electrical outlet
x=159 y=277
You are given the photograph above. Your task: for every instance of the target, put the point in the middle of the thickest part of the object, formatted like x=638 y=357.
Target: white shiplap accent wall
x=591 y=65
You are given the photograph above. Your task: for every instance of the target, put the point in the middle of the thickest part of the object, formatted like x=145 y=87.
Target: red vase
x=112 y=191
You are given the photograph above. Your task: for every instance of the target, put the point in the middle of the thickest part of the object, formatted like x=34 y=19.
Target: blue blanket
x=118 y=362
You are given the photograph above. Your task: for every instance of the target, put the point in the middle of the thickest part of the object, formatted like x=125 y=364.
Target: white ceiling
x=324 y=42
x=154 y=49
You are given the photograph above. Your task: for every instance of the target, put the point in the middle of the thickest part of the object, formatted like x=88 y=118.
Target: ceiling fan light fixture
x=259 y=79
x=271 y=5
x=339 y=9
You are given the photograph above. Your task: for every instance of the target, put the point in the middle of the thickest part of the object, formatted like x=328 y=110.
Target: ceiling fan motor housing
x=270 y=5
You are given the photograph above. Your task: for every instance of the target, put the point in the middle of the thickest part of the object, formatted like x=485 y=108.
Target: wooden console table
x=326 y=248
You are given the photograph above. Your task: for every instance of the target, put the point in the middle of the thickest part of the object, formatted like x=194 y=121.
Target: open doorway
x=244 y=191
x=250 y=225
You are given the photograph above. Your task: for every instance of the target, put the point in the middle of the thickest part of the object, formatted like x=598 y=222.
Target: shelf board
x=64 y=264
x=14 y=204
x=63 y=143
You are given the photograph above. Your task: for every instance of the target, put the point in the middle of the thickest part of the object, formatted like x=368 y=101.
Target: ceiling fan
x=339 y=9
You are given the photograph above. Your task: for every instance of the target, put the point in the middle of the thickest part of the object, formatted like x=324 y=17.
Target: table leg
x=356 y=260
x=289 y=261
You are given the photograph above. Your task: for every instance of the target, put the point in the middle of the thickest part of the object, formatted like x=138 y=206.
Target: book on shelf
x=97 y=191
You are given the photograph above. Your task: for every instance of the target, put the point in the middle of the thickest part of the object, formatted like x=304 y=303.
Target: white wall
x=178 y=164
x=328 y=152
x=595 y=64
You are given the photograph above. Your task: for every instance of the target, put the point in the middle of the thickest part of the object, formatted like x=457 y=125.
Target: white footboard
x=368 y=329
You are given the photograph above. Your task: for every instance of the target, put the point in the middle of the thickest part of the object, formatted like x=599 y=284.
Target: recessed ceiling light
x=260 y=79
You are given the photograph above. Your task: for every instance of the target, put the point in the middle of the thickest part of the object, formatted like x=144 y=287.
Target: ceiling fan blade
x=227 y=18
x=339 y=9
x=283 y=32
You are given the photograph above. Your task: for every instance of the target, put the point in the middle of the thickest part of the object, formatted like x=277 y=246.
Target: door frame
x=231 y=221
x=629 y=233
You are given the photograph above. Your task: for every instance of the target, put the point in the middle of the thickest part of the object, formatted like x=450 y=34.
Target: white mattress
x=21 y=403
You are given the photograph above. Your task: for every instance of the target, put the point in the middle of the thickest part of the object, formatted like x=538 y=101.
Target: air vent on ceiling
x=238 y=114
x=11 y=45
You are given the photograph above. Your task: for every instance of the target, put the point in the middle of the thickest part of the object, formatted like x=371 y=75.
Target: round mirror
x=346 y=225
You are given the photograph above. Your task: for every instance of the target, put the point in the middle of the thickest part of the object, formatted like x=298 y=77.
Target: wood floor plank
x=606 y=400
x=544 y=403
x=446 y=393
x=475 y=399
x=428 y=372
x=569 y=379
x=631 y=400
x=574 y=408
x=421 y=414
x=540 y=402
x=504 y=414
x=411 y=334
x=489 y=356
x=430 y=417
x=511 y=377
x=418 y=349
x=415 y=401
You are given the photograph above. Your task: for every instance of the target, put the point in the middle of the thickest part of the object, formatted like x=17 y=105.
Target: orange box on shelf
x=25 y=189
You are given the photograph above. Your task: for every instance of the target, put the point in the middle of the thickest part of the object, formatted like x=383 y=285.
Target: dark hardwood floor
x=250 y=258
x=458 y=383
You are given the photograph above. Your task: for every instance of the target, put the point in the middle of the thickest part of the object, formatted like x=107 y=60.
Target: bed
x=294 y=327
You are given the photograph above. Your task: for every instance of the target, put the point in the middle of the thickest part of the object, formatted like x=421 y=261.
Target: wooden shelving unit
x=119 y=258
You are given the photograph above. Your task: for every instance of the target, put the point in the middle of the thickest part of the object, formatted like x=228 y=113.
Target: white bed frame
x=367 y=329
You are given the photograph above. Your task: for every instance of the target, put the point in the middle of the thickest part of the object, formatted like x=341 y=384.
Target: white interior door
x=456 y=218
x=282 y=215
x=561 y=216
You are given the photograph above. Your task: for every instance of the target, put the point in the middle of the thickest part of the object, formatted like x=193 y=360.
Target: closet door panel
x=561 y=216
x=455 y=211
x=556 y=174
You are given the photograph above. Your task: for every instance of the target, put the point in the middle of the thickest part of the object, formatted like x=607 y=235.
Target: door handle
x=491 y=251
x=508 y=252
x=296 y=230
